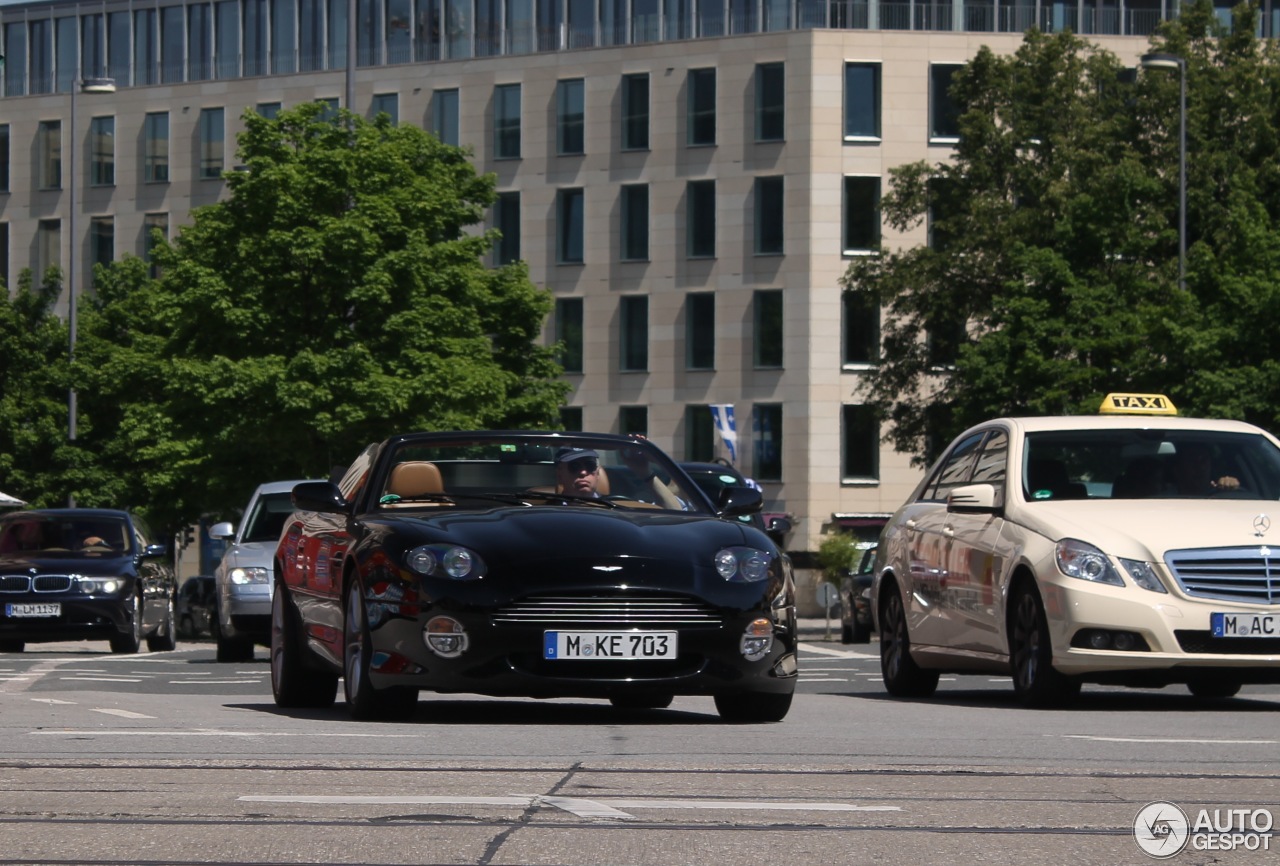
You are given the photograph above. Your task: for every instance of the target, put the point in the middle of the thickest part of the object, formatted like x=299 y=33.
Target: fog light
x=1099 y=640
x=1123 y=641
x=757 y=640
x=445 y=637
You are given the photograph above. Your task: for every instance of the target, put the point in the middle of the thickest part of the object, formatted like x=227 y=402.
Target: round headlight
x=458 y=562
x=726 y=564
x=755 y=566
x=421 y=560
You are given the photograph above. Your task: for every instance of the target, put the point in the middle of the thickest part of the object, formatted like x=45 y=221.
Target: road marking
x=835 y=653
x=1170 y=740
x=17 y=677
x=124 y=714
x=215 y=682
x=34 y=673
x=218 y=733
x=53 y=701
x=102 y=679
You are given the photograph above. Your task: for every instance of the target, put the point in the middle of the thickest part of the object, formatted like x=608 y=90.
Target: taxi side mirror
x=973 y=499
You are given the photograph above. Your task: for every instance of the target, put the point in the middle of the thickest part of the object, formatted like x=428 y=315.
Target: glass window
x=954 y=470
x=700 y=218
x=67 y=57
x=506 y=219
x=635 y=222
x=155 y=131
x=767 y=329
x=770 y=102
x=171 y=44
x=199 y=42
x=146 y=47
x=634 y=331
x=119 y=42
x=102 y=239
x=702 y=106
x=861 y=328
x=635 y=112
x=269 y=110
x=4 y=157
x=399 y=31
x=102 y=149
x=633 y=420
x=4 y=254
x=211 y=143
x=337 y=34
x=226 y=45
x=311 y=21
x=944 y=117
x=93 y=45
x=571 y=418
x=569 y=226
x=570 y=116
x=699 y=433
x=444 y=116
x=766 y=440
x=388 y=103
x=41 y=43
x=942 y=208
x=255 y=37
x=862 y=100
x=861 y=214
x=569 y=333
x=860 y=443
x=700 y=331
x=49 y=136
x=506 y=121
x=768 y=216
x=155 y=226
x=283 y=32
x=48 y=247
x=15 y=52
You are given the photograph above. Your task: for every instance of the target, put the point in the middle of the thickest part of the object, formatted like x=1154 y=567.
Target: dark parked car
x=84 y=574
x=197 y=607
x=717 y=475
x=529 y=564
x=855 y=599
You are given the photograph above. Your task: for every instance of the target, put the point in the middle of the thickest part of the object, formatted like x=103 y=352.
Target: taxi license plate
x=30 y=611
x=609 y=645
x=1244 y=624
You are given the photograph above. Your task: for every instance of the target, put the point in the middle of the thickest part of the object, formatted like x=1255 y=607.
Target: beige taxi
x=1133 y=548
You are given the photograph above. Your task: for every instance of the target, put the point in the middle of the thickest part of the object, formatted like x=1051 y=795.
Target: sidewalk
x=815 y=629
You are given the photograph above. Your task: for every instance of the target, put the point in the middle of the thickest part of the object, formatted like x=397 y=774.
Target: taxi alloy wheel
x=365 y=702
x=903 y=678
x=1031 y=655
x=292 y=683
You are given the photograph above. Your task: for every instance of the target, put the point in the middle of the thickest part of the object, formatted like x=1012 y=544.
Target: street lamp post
x=87 y=85
x=1173 y=61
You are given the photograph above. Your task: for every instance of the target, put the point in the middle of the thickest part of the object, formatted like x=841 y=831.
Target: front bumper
x=81 y=618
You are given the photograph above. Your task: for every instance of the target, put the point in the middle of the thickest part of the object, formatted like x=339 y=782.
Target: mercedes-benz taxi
x=1134 y=547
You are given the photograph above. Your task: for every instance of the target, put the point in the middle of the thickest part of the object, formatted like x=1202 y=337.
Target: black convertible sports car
x=529 y=564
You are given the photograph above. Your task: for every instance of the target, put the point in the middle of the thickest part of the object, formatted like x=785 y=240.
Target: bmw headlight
x=1143 y=574
x=99 y=585
x=1082 y=560
x=445 y=560
x=743 y=564
x=245 y=576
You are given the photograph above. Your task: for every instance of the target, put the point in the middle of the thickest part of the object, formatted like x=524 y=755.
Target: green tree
x=336 y=297
x=1051 y=276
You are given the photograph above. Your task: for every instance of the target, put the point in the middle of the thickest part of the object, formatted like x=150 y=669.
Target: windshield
x=1150 y=464
x=530 y=470
x=266 y=520
x=59 y=535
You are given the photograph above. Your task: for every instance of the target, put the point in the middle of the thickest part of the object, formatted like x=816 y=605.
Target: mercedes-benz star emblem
x=1261 y=525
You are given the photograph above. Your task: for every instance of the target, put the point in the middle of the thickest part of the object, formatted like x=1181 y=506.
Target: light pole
x=88 y=85
x=1173 y=61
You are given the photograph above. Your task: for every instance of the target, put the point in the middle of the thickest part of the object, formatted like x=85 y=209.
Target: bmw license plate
x=609 y=645
x=1244 y=624
x=30 y=611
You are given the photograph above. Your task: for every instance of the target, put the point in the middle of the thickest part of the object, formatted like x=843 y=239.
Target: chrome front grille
x=15 y=583
x=1247 y=575
x=612 y=610
x=39 y=583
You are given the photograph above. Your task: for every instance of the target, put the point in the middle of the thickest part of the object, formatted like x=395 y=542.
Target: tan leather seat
x=413 y=479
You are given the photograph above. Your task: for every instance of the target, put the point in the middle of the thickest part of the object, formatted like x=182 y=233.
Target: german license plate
x=1244 y=624
x=609 y=645
x=30 y=611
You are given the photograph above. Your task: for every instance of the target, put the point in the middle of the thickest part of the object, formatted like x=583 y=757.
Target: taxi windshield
x=1149 y=464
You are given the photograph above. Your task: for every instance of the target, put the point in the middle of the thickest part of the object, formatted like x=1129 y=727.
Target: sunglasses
x=583 y=464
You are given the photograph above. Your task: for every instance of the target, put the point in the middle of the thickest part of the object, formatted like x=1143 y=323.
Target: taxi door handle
x=911 y=524
x=949 y=532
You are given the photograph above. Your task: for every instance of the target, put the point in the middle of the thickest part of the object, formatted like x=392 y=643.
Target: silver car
x=244 y=574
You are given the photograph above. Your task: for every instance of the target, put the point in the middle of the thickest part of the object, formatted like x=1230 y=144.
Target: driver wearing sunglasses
x=577 y=471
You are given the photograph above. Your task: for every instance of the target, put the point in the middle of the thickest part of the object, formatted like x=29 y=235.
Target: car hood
x=71 y=564
x=1146 y=529
x=250 y=554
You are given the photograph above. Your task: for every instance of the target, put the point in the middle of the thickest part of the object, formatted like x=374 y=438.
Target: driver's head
x=577 y=471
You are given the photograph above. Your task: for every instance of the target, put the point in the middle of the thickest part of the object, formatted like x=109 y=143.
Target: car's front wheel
x=642 y=702
x=293 y=684
x=365 y=702
x=765 y=707
x=165 y=638
x=1214 y=688
x=12 y=646
x=903 y=678
x=130 y=641
x=1035 y=680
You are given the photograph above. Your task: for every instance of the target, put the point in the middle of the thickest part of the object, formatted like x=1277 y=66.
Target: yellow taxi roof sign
x=1137 y=404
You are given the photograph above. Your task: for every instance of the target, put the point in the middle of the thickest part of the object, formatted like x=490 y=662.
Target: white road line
x=585 y=808
x=217 y=733
x=35 y=672
x=214 y=682
x=1170 y=740
x=102 y=679
x=750 y=805
x=18 y=677
x=835 y=653
x=124 y=714
x=53 y=701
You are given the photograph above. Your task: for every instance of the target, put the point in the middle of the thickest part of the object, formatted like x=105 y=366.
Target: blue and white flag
x=722 y=414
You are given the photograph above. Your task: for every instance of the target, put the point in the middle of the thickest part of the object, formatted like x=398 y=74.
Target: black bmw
x=529 y=564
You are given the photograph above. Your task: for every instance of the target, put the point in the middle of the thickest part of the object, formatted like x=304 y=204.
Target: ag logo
x=1161 y=830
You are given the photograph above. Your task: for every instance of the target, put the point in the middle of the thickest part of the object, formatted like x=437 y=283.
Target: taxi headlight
x=245 y=576
x=742 y=564
x=1079 y=559
x=1143 y=574
x=445 y=560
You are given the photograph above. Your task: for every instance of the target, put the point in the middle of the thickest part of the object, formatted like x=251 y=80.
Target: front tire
x=1035 y=680
x=293 y=684
x=903 y=678
x=753 y=708
x=131 y=641
x=365 y=702
x=12 y=646
x=1214 y=689
x=166 y=637
x=642 y=702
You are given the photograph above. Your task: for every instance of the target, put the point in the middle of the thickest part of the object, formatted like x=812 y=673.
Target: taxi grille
x=39 y=583
x=630 y=610
x=1247 y=575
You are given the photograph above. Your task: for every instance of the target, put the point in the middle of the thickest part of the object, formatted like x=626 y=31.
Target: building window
x=635 y=222
x=569 y=333
x=4 y=254
x=942 y=208
x=770 y=102
x=861 y=214
x=268 y=110
x=50 y=143
x=571 y=418
x=702 y=107
x=506 y=219
x=766 y=441
x=862 y=101
x=634 y=327
x=48 y=247
x=700 y=219
x=155 y=159
x=570 y=117
x=171 y=44
x=199 y=42
x=331 y=105
x=635 y=112
x=700 y=331
x=569 y=226
x=155 y=228
x=633 y=420
x=211 y=143
x=102 y=238
x=388 y=103
x=506 y=121
x=444 y=115
x=699 y=433
x=861 y=329
x=226 y=45
x=859 y=444
x=4 y=159
x=767 y=329
x=768 y=216
x=944 y=116
x=102 y=148
x=146 y=47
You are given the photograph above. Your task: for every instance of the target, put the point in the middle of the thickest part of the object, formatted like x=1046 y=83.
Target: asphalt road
x=172 y=758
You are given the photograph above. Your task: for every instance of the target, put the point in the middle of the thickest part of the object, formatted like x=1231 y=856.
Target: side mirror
x=737 y=501
x=973 y=499
x=154 y=551
x=225 y=529
x=323 y=496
